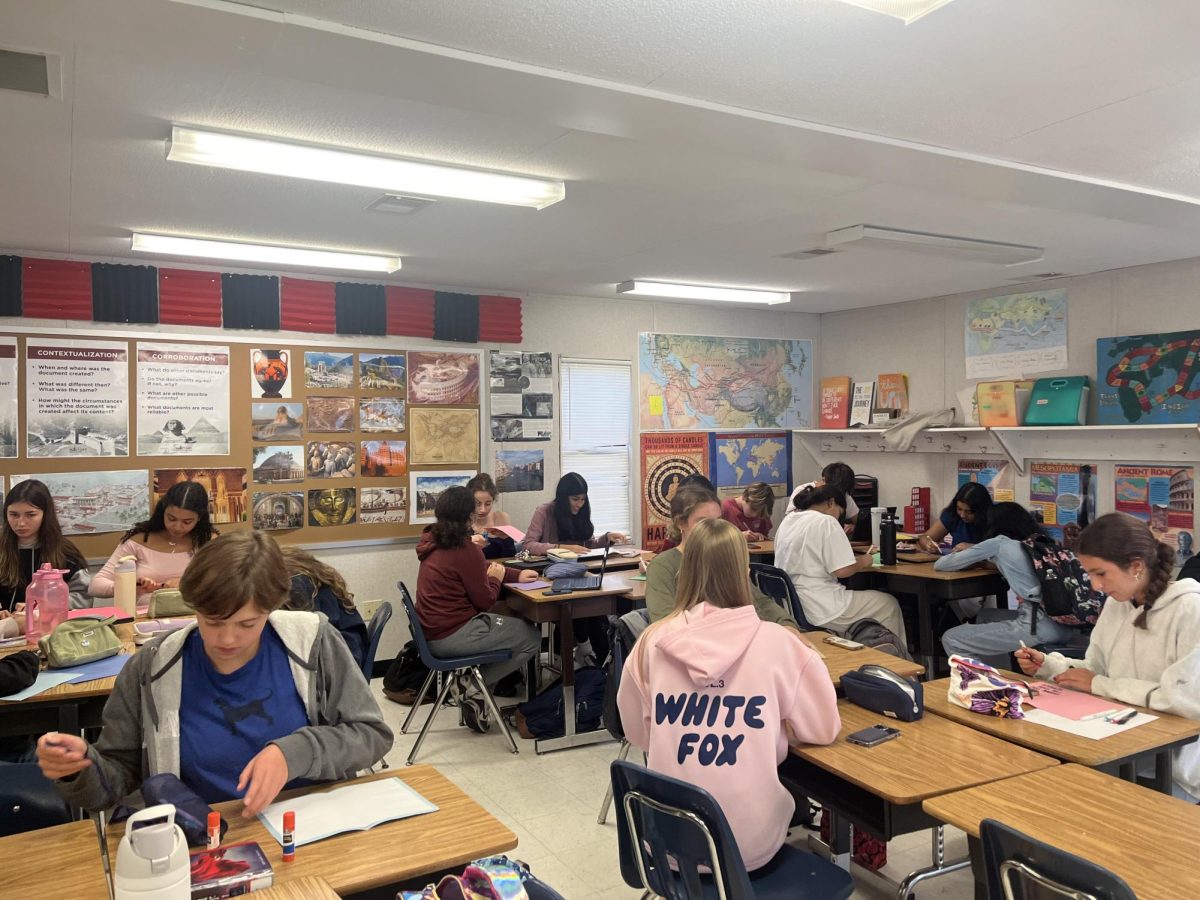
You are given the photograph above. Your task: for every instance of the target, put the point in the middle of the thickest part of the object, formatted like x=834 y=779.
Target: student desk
x=1116 y=754
x=930 y=586
x=299 y=889
x=461 y=830
x=68 y=708
x=617 y=596
x=839 y=660
x=882 y=788
x=1147 y=839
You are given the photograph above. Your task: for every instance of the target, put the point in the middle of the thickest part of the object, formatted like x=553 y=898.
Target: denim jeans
x=998 y=632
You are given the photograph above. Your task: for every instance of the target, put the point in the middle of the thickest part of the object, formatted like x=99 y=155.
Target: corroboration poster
x=667 y=459
x=1062 y=496
x=521 y=395
x=182 y=400
x=1162 y=497
x=8 y=398
x=994 y=474
x=76 y=398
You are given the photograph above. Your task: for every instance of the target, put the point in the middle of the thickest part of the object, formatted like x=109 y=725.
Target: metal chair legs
x=492 y=707
x=608 y=797
x=417 y=703
x=437 y=705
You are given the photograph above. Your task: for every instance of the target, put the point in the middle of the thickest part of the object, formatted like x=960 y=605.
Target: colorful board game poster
x=1148 y=379
x=667 y=459
x=994 y=474
x=1164 y=498
x=1062 y=496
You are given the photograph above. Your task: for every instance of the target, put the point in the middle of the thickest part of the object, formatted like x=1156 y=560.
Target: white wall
x=925 y=339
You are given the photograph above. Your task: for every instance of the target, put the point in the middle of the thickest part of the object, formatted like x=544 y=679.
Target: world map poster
x=739 y=460
x=1149 y=379
x=698 y=383
x=1016 y=334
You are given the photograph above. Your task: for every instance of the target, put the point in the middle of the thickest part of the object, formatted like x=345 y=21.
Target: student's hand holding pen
x=928 y=544
x=61 y=755
x=1029 y=660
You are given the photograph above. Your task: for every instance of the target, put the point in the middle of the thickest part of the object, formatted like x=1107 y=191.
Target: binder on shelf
x=1003 y=403
x=1058 y=401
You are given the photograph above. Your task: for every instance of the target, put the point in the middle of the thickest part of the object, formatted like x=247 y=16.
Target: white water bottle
x=876 y=521
x=152 y=860
x=125 y=591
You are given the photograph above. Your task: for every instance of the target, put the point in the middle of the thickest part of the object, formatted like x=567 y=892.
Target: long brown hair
x=715 y=568
x=52 y=547
x=318 y=574
x=684 y=503
x=1121 y=539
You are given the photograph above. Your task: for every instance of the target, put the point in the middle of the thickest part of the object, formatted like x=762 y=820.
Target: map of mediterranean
x=740 y=461
x=695 y=382
x=1016 y=334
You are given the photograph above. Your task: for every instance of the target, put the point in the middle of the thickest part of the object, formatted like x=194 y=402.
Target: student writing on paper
x=1145 y=649
x=964 y=519
x=566 y=522
x=164 y=544
x=691 y=505
x=751 y=512
x=244 y=701
x=814 y=550
x=486 y=518
x=840 y=476
x=317 y=587
x=999 y=632
x=457 y=593
x=29 y=536
x=713 y=693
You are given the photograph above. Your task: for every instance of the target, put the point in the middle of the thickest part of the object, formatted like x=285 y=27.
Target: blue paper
x=101 y=668
x=44 y=682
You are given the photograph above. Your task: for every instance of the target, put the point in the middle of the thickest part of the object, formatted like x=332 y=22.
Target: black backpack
x=542 y=717
x=406 y=673
x=1067 y=594
x=876 y=635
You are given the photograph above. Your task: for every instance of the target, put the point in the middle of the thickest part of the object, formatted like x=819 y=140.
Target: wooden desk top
x=932 y=756
x=100 y=687
x=620 y=582
x=1163 y=731
x=1143 y=836
x=839 y=660
x=926 y=570
x=762 y=548
x=299 y=889
x=460 y=830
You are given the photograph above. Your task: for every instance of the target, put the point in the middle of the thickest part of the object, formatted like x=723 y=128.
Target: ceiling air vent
x=401 y=204
x=812 y=253
x=30 y=73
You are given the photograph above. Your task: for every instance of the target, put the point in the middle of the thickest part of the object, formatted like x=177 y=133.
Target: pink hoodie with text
x=719 y=685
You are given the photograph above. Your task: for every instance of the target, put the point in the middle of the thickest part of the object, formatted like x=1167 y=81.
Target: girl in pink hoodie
x=714 y=694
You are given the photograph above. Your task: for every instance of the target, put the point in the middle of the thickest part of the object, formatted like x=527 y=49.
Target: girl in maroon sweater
x=456 y=592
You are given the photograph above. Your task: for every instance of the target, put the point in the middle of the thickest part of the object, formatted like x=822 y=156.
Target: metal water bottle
x=887 y=539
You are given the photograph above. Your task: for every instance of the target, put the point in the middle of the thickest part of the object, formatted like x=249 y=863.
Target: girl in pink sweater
x=714 y=694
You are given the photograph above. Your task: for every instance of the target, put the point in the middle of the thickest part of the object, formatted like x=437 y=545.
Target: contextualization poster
x=76 y=398
x=182 y=400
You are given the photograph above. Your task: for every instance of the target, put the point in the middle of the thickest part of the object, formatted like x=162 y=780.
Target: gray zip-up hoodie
x=140 y=738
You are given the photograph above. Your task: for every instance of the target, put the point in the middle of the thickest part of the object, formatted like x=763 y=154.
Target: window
x=597 y=421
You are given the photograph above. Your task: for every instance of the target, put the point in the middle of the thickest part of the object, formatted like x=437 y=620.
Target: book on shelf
x=861 y=402
x=892 y=391
x=1002 y=404
x=835 y=402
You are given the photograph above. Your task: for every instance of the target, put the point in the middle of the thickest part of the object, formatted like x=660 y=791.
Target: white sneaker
x=584 y=655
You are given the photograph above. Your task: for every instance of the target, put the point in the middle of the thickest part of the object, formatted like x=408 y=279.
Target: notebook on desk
x=355 y=807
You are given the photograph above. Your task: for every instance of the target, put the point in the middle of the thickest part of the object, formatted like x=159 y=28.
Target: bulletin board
x=352 y=407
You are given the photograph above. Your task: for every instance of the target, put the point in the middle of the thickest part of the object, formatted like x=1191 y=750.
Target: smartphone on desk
x=870 y=737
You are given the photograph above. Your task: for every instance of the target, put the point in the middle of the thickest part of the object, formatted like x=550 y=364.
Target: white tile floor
x=551 y=803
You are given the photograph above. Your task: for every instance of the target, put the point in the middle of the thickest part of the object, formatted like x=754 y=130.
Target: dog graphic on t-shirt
x=235 y=714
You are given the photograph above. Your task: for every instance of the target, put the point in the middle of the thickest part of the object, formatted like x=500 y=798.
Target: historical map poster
x=699 y=383
x=1016 y=335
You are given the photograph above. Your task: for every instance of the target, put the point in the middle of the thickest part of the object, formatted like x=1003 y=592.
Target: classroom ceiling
x=700 y=141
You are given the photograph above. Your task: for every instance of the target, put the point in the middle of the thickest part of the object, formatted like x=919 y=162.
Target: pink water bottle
x=47 y=601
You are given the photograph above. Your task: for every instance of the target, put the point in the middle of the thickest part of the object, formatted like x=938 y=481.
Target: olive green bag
x=169 y=602
x=79 y=641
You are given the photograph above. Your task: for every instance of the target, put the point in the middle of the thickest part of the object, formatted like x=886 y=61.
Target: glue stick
x=289 y=836
x=214 y=830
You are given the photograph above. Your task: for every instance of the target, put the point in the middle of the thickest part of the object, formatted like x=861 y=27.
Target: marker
x=289 y=836
x=214 y=830
x=1100 y=715
x=1123 y=718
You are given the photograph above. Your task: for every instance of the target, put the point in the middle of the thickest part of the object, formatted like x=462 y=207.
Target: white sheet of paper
x=355 y=807
x=44 y=682
x=1093 y=729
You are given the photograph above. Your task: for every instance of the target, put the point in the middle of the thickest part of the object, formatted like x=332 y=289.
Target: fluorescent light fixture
x=907 y=11
x=263 y=253
x=701 y=292
x=268 y=156
x=936 y=244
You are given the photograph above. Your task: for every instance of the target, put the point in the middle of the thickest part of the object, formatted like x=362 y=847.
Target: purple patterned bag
x=982 y=689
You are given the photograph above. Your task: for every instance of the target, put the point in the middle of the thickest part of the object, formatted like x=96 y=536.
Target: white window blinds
x=597 y=423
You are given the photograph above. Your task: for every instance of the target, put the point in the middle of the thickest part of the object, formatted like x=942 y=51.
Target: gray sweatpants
x=488 y=631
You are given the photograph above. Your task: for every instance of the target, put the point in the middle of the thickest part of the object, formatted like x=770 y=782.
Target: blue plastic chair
x=620 y=644
x=777 y=584
x=449 y=666
x=383 y=615
x=662 y=819
x=29 y=800
x=1016 y=866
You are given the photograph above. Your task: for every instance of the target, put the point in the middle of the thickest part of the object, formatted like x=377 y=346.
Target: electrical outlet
x=367 y=608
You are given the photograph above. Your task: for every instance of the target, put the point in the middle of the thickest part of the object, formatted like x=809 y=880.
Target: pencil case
x=191 y=812
x=883 y=691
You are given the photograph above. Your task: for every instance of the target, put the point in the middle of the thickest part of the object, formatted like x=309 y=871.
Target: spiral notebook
x=355 y=807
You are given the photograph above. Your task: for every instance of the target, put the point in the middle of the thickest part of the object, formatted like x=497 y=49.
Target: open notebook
x=355 y=807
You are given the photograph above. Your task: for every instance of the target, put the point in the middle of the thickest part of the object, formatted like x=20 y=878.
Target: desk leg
x=68 y=719
x=1164 y=777
x=566 y=643
x=840 y=843
x=925 y=637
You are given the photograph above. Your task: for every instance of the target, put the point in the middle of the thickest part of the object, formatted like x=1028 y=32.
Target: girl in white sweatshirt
x=1145 y=648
